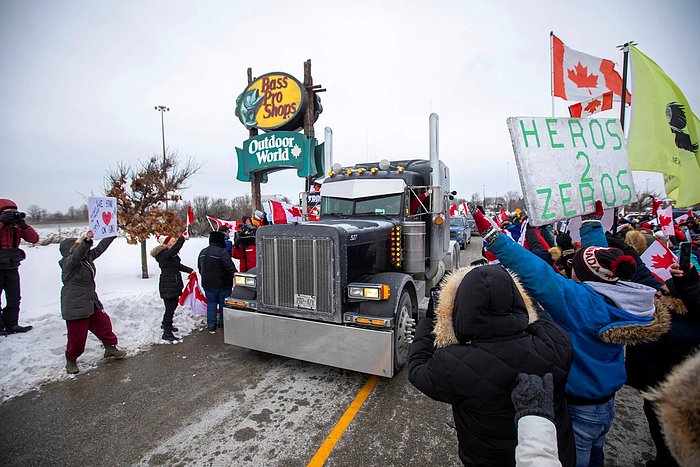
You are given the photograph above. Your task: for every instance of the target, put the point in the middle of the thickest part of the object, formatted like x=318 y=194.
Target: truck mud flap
x=357 y=349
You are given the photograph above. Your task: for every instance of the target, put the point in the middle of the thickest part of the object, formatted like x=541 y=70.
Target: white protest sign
x=566 y=164
x=102 y=216
x=573 y=226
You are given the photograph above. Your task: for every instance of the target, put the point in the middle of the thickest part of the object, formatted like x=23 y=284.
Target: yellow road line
x=325 y=450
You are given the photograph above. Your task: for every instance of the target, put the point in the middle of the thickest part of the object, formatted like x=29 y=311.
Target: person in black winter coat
x=487 y=331
x=216 y=268
x=170 y=283
x=649 y=364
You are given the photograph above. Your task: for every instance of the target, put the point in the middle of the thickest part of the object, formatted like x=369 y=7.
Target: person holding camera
x=13 y=229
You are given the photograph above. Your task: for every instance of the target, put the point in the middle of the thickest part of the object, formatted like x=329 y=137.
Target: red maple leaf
x=294 y=211
x=592 y=106
x=579 y=75
x=662 y=262
x=664 y=221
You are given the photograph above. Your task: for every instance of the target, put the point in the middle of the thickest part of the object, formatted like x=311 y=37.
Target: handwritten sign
x=566 y=164
x=102 y=216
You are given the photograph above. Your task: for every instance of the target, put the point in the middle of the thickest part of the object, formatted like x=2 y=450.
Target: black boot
x=162 y=326
x=168 y=334
x=18 y=329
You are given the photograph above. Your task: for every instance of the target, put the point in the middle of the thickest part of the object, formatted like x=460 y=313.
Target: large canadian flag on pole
x=658 y=259
x=283 y=213
x=577 y=76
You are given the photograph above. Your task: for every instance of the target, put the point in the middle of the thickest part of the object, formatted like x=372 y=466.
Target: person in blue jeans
x=216 y=268
x=599 y=309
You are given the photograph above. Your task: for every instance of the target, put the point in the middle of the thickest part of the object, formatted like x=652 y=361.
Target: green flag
x=664 y=132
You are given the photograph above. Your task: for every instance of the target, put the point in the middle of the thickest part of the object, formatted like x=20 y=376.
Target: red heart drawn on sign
x=106 y=217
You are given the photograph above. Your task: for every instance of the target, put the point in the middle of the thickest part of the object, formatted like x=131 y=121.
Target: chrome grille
x=292 y=265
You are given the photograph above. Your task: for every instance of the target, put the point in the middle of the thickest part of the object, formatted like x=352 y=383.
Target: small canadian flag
x=593 y=106
x=189 y=218
x=658 y=259
x=665 y=217
x=193 y=297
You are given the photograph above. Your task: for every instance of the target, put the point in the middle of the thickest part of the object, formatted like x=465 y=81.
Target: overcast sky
x=79 y=81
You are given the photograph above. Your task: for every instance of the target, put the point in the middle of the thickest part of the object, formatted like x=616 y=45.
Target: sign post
x=566 y=164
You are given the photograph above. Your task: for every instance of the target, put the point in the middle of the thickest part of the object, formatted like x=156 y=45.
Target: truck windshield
x=457 y=221
x=389 y=205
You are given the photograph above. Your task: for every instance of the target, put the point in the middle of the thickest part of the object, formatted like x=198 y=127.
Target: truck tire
x=404 y=331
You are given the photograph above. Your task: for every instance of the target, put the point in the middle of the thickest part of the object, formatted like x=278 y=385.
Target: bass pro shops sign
x=274 y=101
x=279 y=150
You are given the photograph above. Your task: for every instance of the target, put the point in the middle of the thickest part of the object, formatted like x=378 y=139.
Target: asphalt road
x=203 y=402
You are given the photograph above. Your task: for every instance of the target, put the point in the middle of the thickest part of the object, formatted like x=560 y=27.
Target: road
x=203 y=402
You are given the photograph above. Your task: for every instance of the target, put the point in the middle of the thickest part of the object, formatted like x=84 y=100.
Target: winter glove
x=564 y=241
x=595 y=215
x=485 y=228
x=7 y=217
x=534 y=395
x=22 y=223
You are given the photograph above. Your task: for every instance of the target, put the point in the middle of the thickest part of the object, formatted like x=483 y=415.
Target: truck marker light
x=386 y=291
x=362 y=321
x=373 y=170
x=439 y=220
x=378 y=322
x=349 y=171
x=360 y=170
x=400 y=169
x=330 y=173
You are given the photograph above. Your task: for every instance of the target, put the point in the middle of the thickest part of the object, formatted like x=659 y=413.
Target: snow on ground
x=134 y=305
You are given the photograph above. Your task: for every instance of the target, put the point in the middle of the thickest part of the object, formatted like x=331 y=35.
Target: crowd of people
x=530 y=350
x=585 y=317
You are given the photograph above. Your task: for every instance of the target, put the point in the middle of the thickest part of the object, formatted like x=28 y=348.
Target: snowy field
x=134 y=305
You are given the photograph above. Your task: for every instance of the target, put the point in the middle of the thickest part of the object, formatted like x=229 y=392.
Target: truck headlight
x=245 y=280
x=369 y=291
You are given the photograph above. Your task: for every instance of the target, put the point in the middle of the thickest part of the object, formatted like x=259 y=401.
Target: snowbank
x=133 y=303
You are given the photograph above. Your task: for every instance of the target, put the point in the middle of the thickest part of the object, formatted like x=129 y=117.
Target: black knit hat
x=603 y=265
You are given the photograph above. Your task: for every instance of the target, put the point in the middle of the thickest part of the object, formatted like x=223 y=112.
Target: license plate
x=305 y=301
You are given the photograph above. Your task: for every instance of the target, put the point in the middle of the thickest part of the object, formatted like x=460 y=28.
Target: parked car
x=460 y=231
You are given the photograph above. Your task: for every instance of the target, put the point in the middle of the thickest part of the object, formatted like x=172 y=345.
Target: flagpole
x=623 y=98
x=551 y=69
x=211 y=226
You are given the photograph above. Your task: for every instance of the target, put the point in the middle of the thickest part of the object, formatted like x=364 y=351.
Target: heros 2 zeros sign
x=567 y=164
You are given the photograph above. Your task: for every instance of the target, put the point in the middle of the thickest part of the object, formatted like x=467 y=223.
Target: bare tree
x=510 y=197
x=141 y=193
x=476 y=198
x=36 y=213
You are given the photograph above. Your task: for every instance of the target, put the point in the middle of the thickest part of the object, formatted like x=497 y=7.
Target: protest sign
x=102 y=216
x=566 y=164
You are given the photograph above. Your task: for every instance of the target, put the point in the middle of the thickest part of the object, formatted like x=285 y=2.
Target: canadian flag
x=189 y=218
x=453 y=210
x=665 y=217
x=314 y=213
x=593 y=106
x=503 y=215
x=193 y=296
x=658 y=259
x=220 y=222
x=577 y=76
x=283 y=213
x=655 y=205
x=685 y=216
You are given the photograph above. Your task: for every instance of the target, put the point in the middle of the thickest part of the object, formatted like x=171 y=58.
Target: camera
x=18 y=216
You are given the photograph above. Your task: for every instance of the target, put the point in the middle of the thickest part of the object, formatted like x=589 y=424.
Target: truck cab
x=347 y=290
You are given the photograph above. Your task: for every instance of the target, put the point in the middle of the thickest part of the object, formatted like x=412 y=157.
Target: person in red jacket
x=13 y=229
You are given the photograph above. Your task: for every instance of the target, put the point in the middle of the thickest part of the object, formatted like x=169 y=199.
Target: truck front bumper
x=351 y=348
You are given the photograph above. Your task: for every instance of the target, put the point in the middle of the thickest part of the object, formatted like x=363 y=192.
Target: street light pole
x=162 y=109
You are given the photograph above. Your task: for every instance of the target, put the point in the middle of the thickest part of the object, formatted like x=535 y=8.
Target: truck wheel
x=405 y=330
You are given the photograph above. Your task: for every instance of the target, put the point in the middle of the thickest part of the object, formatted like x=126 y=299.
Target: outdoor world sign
x=279 y=150
x=567 y=164
x=274 y=101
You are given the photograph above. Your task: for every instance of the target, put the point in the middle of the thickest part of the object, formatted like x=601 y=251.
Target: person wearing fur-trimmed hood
x=487 y=331
x=648 y=364
x=80 y=305
x=599 y=309
x=677 y=405
x=170 y=283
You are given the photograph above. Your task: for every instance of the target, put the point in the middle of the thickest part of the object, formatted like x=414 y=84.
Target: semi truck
x=346 y=291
